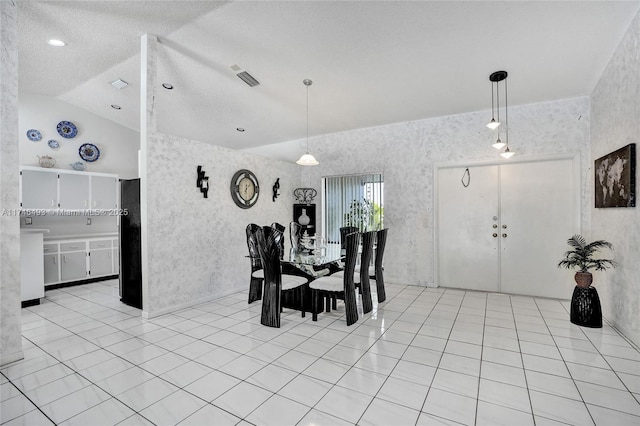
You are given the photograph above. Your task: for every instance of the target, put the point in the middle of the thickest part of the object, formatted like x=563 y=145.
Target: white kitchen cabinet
x=74 y=191
x=100 y=262
x=67 y=189
x=104 y=192
x=39 y=189
x=51 y=269
x=73 y=259
x=32 y=271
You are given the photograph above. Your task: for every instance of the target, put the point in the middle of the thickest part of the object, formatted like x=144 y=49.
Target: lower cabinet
x=73 y=266
x=78 y=259
x=51 y=270
x=100 y=262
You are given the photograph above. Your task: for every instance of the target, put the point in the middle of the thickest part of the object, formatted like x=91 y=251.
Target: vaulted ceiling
x=371 y=63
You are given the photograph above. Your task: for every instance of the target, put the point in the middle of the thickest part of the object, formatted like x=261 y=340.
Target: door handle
x=504 y=235
x=504 y=226
x=495 y=235
x=495 y=226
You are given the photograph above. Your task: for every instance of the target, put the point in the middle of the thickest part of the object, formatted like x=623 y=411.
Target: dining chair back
x=269 y=241
x=255 y=283
x=365 y=259
x=381 y=242
x=281 y=228
x=344 y=231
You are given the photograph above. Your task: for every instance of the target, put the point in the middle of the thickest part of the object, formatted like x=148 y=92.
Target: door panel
x=467 y=255
x=537 y=208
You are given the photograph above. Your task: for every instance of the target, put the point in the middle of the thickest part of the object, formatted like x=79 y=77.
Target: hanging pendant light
x=496 y=78
x=493 y=124
x=307 y=159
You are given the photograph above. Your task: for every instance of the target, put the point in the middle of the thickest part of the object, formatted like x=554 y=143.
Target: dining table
x=311 y=263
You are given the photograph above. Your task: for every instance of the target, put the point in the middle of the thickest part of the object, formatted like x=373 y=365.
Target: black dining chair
x=269 y=241
x=378 y=276
x=257 y=274
x=339 y=287
x=344 y=231
x=363 y=272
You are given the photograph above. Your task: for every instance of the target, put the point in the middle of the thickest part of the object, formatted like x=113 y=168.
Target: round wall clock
x=244 y=189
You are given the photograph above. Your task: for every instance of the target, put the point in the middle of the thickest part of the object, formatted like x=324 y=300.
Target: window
x=355 y=200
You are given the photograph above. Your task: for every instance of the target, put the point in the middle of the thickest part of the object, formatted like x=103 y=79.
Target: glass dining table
x=311 y=263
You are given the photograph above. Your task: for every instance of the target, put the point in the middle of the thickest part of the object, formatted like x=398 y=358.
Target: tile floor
x=424 y=357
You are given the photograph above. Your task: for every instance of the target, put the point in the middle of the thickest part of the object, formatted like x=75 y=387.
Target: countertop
x=81 y=236
x=33 y=231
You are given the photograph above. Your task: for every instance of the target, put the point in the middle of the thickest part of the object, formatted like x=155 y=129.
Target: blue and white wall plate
x=89 y=152
x=34 y=135
x=53 y=144
x=67 y=129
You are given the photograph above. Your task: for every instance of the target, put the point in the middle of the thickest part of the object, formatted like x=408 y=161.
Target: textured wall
x=10 y=325
x=408 y=152
x=615 y=112
x=197 y=246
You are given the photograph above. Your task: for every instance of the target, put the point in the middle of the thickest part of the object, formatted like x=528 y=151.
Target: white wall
x=197 y=246
x=615 y=112
x=408 y=152
x=118 y=145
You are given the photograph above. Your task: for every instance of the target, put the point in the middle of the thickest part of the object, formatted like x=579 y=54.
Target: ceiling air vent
x=248 y=78
x=119 y=84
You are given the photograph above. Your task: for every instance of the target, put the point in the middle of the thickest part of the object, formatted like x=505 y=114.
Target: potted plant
x=581 y=257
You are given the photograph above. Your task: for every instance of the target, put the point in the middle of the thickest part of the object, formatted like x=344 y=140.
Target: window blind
x=354 y=200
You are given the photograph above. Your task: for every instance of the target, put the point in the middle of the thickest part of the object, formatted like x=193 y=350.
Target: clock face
x=244 y=189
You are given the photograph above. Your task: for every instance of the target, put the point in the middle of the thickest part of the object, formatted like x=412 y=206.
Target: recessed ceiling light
x=240 y=129
x=56 y=43
x=167 y=86
x=114 y=106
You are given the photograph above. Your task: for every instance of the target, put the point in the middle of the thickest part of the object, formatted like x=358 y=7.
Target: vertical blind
x=355 y=200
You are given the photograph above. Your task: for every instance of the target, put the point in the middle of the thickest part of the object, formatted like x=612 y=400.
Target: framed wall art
x=615 y=178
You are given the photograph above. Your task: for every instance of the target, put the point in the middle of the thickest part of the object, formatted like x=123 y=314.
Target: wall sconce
x=276 y=189
x=202 y=181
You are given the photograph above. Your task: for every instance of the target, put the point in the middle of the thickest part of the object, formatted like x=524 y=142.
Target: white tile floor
x=424 y=357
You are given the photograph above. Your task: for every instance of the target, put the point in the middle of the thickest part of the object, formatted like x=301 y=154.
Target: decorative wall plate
x=67 y=129
x=34 y=135
x=89 y=152
x=53 y=144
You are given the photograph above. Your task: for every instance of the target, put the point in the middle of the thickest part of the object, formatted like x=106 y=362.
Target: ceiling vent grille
x=119 y=84
x=248 y=78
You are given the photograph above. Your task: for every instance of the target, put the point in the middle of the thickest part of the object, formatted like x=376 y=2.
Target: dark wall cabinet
x=305 y=215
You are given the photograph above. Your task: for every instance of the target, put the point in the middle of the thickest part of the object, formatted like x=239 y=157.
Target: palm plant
x=581 y=255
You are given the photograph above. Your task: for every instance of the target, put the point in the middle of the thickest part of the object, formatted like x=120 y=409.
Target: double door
x=503 y=228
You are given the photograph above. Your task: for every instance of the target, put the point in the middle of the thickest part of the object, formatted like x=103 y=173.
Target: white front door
x=507 y=230
x=537 y=216
x=466 y=216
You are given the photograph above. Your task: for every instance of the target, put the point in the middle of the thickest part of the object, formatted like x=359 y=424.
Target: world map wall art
x=615 y=176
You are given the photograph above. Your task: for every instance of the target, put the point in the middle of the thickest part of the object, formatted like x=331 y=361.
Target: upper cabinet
x=67 y=189
x=74 y=191
x=39 y=189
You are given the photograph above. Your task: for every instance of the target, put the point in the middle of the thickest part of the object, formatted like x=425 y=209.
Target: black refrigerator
x=130 y=244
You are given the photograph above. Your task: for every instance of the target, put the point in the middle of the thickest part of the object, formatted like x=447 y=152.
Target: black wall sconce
x=202 y=181
x=276 y=189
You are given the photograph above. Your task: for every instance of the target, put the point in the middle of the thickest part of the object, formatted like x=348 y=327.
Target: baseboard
x=32 y=302
x=180 y=306
x=12 y=357
x=80 y=282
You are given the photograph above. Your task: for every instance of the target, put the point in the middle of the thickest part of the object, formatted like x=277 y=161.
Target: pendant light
x=496 y=78
x=307 y=159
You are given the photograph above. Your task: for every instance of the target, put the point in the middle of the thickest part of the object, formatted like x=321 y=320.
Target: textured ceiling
x=372 y=63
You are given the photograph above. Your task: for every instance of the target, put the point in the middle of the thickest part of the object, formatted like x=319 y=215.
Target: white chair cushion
x=292 y=281
x=258 y=274
x=330 y=283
